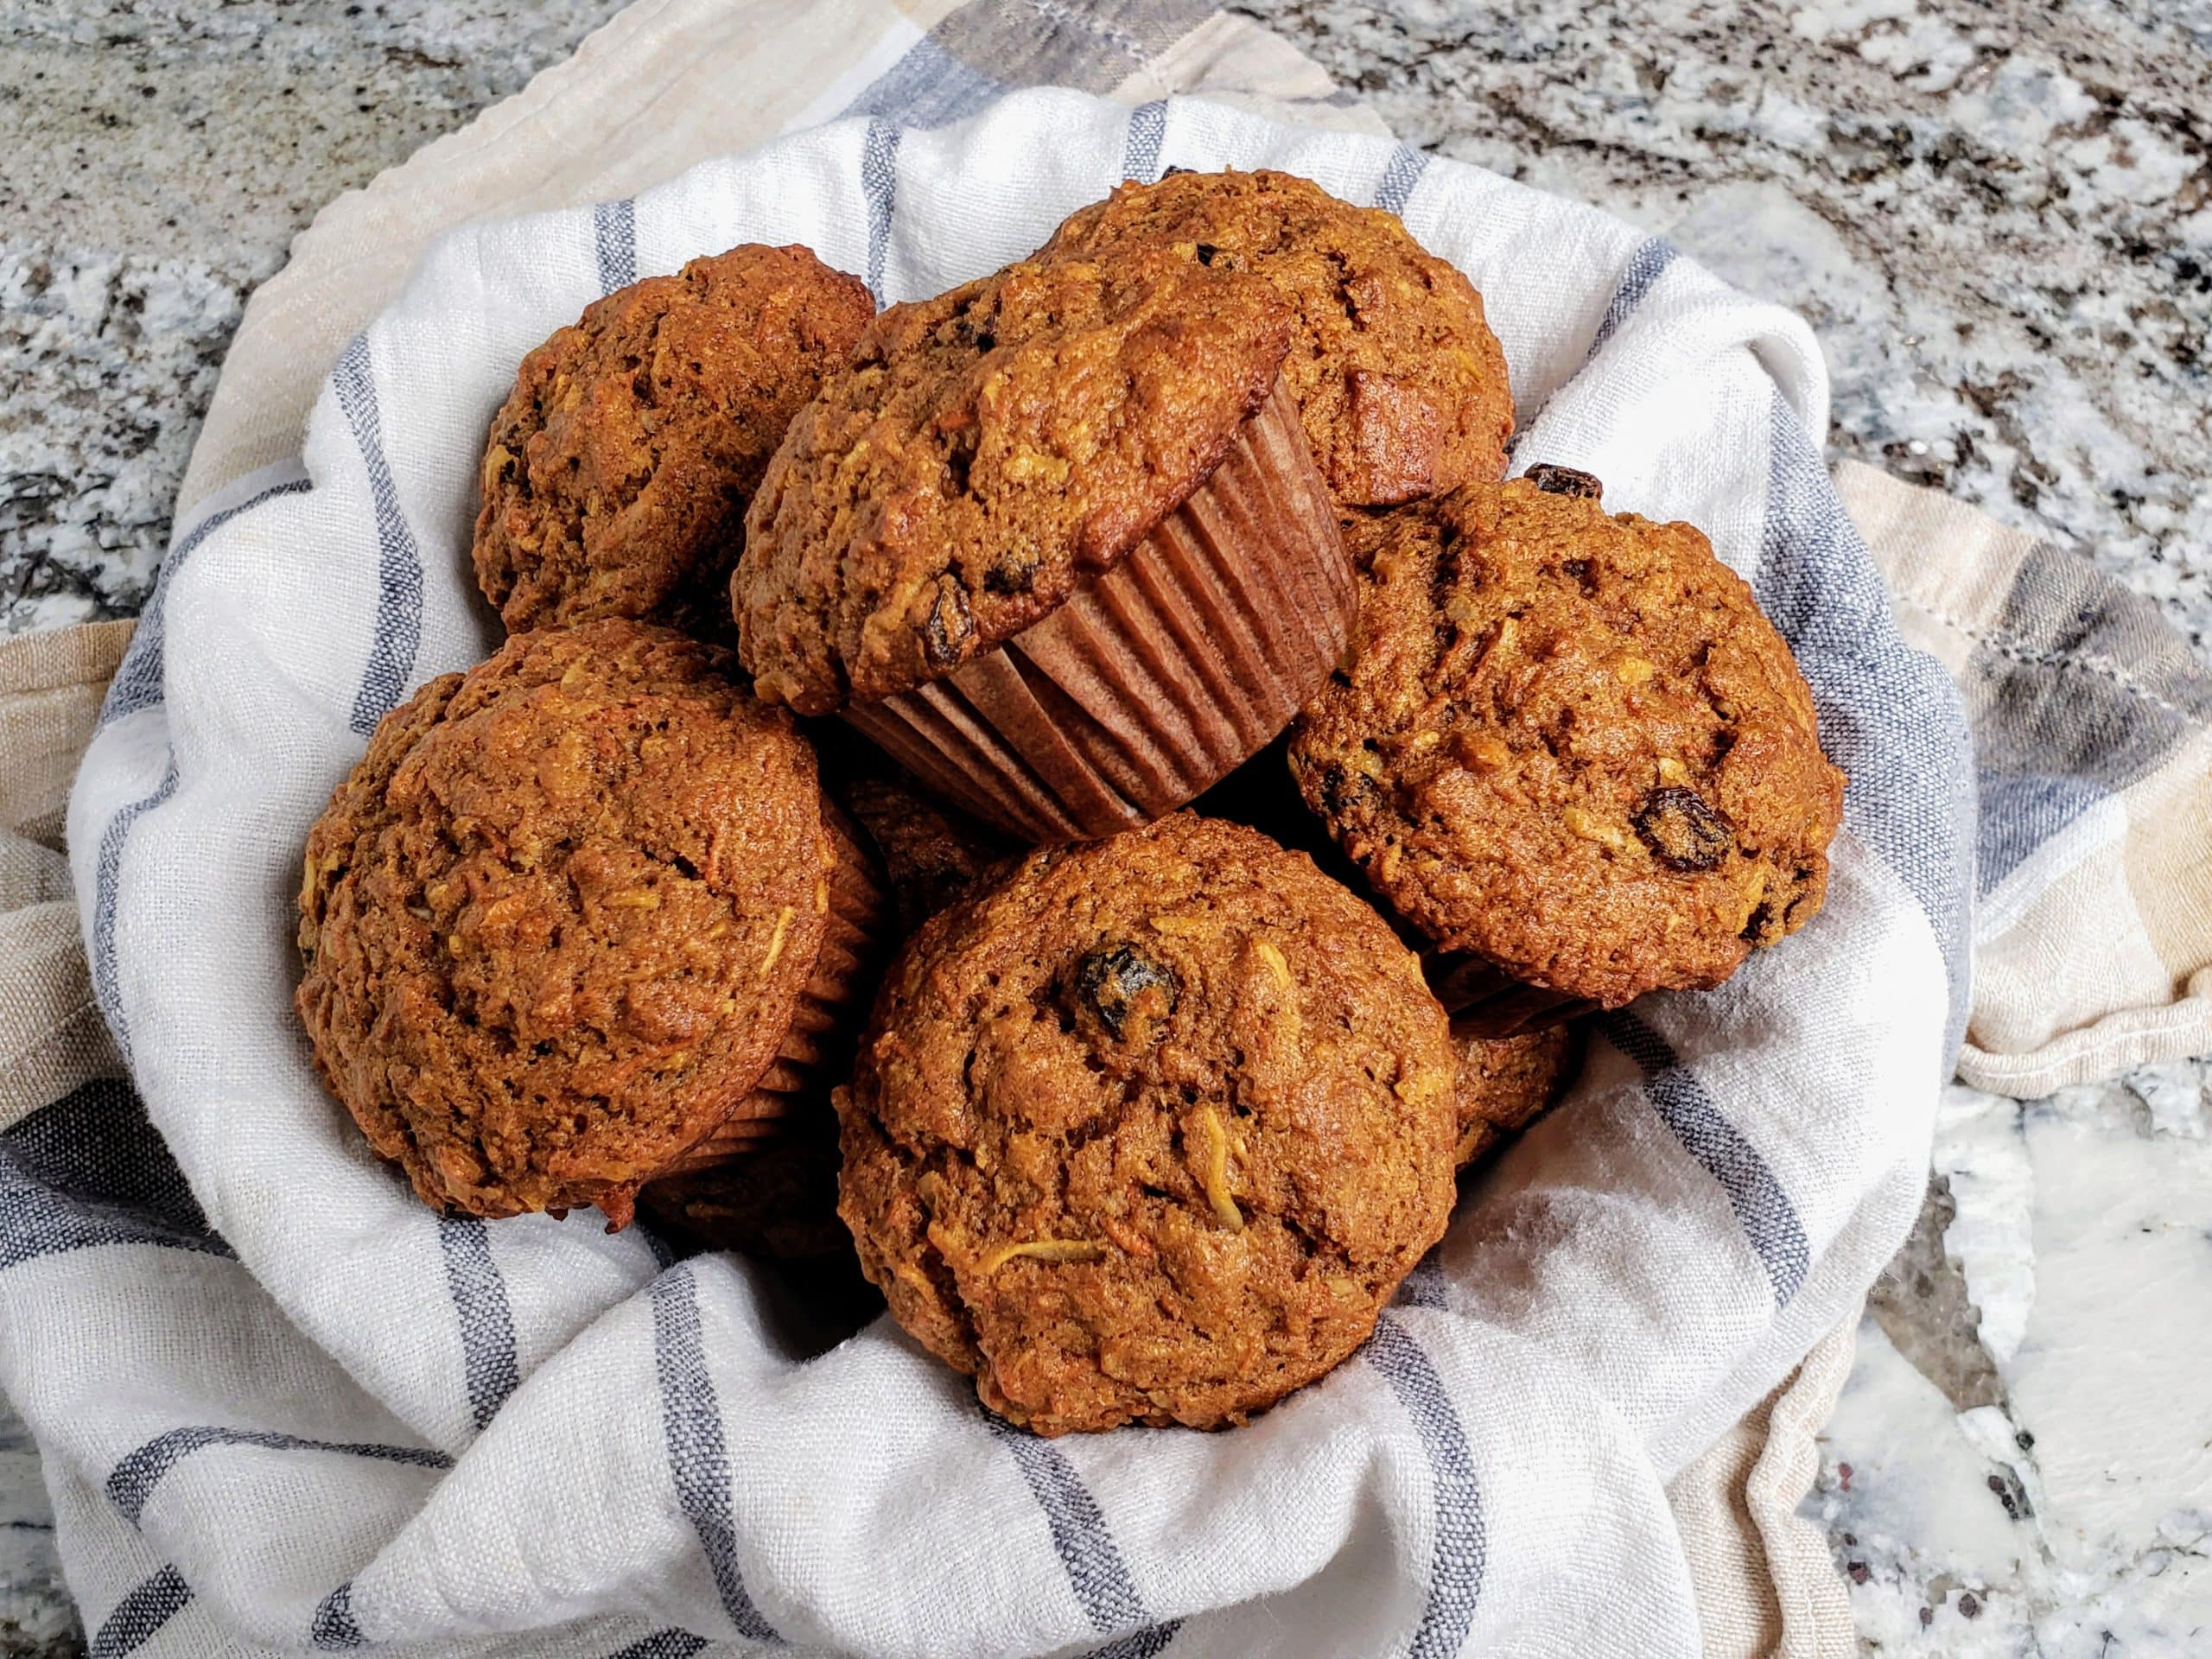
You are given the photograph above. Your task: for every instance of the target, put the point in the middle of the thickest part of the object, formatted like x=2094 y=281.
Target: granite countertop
x=1998 y=215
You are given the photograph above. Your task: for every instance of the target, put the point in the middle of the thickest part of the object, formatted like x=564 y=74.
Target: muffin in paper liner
x=1056 y=540
x=1158 y=676
x=828 y=1015
x=557 y=917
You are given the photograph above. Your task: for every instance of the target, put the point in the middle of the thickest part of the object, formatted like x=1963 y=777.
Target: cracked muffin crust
x=1570 y=744
x=1399 y=379
x=1150 y=1131
x=985 y=451
x=617 y=473
x=558 y=918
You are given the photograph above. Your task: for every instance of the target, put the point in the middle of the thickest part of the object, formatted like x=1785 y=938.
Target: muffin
x=931 y=855
x=1150 y=1131
x=776 y=1201
x=1400 y=383
x=1506 y=1082
x=1054 y=541
x=617 y=474
x=560 y=920
x=1569 y=744
x=792 y=1094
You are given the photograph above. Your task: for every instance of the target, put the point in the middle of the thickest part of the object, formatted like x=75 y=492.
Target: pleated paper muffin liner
x=829 y=1011
x=1157 y=677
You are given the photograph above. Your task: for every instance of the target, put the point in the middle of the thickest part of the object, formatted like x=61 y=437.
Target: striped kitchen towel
x=284 y=1407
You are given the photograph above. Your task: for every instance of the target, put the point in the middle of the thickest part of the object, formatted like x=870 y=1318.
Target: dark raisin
x=1761 y=924
x=959 y=460
x=1682 y=832
x=1579 y=568
x=1564 y=480
x=1010 y=577
x=1120 y=981
x=1206 y=251
x=1341 y=787
x=951 y=625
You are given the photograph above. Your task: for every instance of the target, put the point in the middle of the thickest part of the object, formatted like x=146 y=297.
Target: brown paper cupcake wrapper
x=1157 y=677
x=1485 y=1001
x=829 y=1009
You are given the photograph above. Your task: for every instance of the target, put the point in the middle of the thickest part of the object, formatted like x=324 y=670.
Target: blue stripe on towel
x=399 y=566
x=929 y=86
x=1769 y=1221
x=1093 y=1562
x=1644 y=268
x=670 y=1644
x=2019 y=814
x=140 y=1614
x=132 y=1482
x=487 y=1326
x=1146 y=1643
x=1400 y=177
x=880 y=185
x=333 y=1628
x=1890 y=715
x=614 y=237
x=1461 y=1547
x=107 y=880
x=1096 y=1573
x=89 y=1170
x=698 y=1457
x=137 y=682
x=1140 y=149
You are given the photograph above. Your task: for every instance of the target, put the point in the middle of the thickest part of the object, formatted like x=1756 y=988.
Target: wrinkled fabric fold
x=283 y=1407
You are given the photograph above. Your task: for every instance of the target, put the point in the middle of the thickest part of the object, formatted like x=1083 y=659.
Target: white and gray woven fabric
x=283 y=1405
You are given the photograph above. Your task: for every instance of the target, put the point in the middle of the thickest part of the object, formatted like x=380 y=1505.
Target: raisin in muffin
x=1150 y=1131
x=1569 y=744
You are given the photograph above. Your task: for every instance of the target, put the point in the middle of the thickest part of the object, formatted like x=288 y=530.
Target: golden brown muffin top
x=1571 y=744
x=557 y=917
x=1400 y=381
x=1149 y=1131
x=986 y=452
x=617 y=473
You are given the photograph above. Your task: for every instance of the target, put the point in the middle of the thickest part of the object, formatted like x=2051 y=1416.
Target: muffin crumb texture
x=617 y=473
x=557 y=920
x=1570 y=744
x=1149 y=1131
x=1401 y=382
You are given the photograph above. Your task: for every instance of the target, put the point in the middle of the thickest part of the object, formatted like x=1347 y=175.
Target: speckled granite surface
x=1998 y=213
